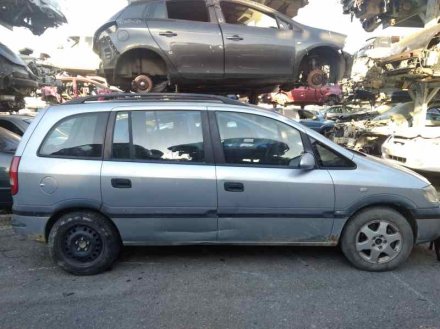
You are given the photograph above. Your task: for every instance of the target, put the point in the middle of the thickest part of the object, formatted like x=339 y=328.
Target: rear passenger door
x=158 y=179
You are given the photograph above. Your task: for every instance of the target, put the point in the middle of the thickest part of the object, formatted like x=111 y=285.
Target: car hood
x=11 y=56
x=392 y=169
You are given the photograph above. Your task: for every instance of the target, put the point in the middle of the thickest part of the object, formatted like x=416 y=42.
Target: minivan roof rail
x=154 y=97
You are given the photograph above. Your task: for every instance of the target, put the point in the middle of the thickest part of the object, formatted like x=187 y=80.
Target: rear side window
x=159 y=136
x=79 y=136
x=134 y=11
x=188 y=10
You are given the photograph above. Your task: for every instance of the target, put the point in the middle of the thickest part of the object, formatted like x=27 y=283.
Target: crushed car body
x=416 y=56
x=36 y=15
x=373 y=13
x=371 y=136
x=415 y=149
x=16 y=80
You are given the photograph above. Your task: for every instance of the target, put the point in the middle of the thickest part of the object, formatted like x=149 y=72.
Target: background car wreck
x=288 y=54
x=17 y=77
x=36 y=15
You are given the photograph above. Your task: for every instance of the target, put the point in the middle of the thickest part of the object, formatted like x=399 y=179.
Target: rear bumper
x=428 y=224
x=33 y=227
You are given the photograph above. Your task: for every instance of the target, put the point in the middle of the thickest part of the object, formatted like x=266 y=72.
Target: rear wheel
x=84 y=243
x=377 y=239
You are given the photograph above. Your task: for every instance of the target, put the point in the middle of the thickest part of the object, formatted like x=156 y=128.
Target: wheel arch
x=325 y=48
x=61 y=212
x=403 y=209
x=136 y=53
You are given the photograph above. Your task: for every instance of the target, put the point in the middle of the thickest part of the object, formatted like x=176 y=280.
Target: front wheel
x=377 y=239
x=84 y=243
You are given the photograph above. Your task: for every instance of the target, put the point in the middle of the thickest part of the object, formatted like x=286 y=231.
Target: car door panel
x=194 y=47
x=275 y=203
x=252 y=51
x=151 y=187
x=158 y=207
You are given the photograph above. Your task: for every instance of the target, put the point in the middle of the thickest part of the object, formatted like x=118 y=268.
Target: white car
x=414 y=149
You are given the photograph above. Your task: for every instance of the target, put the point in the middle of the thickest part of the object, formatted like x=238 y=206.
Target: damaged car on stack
x=215 y=46
x=17 y=80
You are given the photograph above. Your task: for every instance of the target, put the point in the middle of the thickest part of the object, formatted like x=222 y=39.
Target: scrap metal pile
x=22 y=76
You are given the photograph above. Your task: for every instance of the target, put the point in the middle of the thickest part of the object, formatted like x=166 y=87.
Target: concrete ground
x=216 y=287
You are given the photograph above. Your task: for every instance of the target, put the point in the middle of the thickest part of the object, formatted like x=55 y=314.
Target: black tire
x=389 y=254
x=88 y=230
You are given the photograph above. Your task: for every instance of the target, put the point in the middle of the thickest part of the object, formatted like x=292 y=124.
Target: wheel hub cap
x=379 y=242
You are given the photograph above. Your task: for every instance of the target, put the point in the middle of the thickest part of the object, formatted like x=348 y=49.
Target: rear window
x=8 y=141
x=80 y=136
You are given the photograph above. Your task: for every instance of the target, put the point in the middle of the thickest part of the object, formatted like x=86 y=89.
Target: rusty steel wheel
x=142 y=84
x=317 y=78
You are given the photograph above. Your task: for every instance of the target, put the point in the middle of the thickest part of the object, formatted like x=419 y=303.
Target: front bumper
x=33 y=227
x=428 y=224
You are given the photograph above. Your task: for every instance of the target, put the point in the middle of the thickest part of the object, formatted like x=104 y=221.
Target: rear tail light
x=13 y=174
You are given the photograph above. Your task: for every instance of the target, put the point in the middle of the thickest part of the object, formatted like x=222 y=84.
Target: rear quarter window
x=79 y=136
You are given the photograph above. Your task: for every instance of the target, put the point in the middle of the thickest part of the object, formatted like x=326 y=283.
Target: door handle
x=168 y=34
x=235 y=37
x=121 y=183
x=234 y=187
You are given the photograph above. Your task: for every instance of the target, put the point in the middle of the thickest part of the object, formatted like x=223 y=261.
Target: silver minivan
x=173 y=169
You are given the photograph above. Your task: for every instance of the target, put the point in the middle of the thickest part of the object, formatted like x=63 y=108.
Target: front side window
x=328 y=158
x=235 y=13
x=159 y=136
x=78 y=136
x=188 y=10
x=258 y=140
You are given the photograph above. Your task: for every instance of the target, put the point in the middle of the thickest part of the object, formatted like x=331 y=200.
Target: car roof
x=153 y=97
x=14 y=117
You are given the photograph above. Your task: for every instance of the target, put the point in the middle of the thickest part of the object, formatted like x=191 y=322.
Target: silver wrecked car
x=169 y=169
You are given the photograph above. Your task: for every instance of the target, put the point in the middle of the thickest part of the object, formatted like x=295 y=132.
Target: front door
x=189 y=35
x=158 y=180
x=263 y=196
x=255 y=44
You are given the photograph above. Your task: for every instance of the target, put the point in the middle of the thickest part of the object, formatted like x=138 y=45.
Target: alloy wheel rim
x=379 y=242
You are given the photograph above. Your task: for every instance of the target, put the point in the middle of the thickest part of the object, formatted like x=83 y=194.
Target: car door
x=158 y=179
x=263 y=196
x=256 y=45
x=189 y=35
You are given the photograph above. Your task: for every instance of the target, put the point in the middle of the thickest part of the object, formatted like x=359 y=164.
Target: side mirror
x=307 y=162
